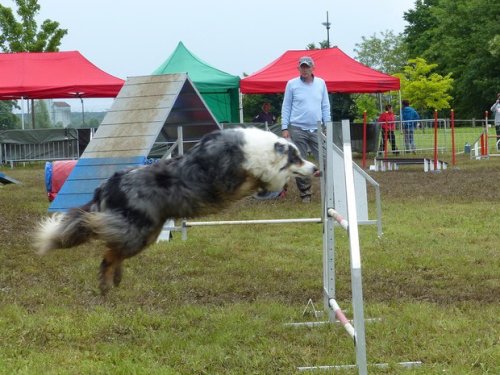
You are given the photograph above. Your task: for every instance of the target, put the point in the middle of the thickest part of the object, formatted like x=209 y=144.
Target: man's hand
x=285 y=134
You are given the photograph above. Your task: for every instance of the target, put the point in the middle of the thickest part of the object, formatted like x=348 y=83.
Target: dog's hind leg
x=110 y=272
x=117 y=275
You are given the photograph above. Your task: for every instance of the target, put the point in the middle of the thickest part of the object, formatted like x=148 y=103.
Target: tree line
x=462 y=39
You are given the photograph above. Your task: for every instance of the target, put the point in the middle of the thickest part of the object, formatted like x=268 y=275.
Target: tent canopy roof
x=50 y=75
x=342 y=74
x=205 y=77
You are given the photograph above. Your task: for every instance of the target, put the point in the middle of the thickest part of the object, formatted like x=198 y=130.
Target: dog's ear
x=280 y=148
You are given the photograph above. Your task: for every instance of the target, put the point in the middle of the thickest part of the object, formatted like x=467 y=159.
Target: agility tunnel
x=56 y=173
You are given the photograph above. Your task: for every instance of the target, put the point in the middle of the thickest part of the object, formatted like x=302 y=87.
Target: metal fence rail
x=27 y=152
x=35 y=145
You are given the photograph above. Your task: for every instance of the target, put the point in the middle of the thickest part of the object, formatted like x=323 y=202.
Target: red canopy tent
x=49 y=75
x=342 y=74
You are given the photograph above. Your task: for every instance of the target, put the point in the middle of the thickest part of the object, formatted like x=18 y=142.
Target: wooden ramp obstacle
x=144 y=121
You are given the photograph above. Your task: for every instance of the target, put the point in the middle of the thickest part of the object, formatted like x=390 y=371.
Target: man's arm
x=326 y=113
x=286 y=110
x=417 y=116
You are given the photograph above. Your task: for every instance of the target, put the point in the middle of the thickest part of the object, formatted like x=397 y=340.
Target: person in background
x=305 y=104
x=495 y=109
x=266 y=116
x=410 y=118
x=388 y=124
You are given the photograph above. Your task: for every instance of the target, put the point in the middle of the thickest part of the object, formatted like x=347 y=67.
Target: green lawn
x=218 y=302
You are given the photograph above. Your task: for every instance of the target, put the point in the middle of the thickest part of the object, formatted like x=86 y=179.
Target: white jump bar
x=236 y=222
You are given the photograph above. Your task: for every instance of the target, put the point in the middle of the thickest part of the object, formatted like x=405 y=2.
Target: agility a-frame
x=146 y=121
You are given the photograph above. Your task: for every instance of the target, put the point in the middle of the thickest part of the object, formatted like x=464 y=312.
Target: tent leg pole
x=240 y=97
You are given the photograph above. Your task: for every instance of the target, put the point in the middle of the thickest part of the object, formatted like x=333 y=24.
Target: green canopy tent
x=219 y=90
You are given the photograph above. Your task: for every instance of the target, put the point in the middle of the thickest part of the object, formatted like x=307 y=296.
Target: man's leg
x=392 y=138
x=497 y=144
x=407 y=140
x=312 y=138
x=301 y=139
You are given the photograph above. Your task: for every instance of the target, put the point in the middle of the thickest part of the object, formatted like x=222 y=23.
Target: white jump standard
x=343 y=194
x=331 y=215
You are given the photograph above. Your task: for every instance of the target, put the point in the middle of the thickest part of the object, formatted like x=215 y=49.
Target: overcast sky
x=133 y=37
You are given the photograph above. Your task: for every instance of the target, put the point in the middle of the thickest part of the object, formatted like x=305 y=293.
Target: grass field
x=218 y=302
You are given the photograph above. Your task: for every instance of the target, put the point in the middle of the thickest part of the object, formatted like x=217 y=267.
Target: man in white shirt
x=495 y=110
x=305 y=104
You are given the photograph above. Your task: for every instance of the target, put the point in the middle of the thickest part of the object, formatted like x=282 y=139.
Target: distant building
x=61 y=114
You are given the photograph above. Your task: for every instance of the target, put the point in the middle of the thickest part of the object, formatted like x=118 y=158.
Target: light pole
x=327 y=25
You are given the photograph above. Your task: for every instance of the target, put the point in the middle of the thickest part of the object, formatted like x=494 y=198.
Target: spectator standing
x=410 y=118
x=495 y=109
x=387 y=122
x=305 y=104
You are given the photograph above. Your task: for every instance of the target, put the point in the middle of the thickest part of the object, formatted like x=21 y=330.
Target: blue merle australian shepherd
x=129 y=209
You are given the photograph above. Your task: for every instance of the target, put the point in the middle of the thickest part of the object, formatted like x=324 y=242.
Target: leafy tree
x=462 y=37
x=494 y=46
x=24 y=35
x=342 y=106
x=425 y=89
x=42 y=114
x=386 y=53
x=8 y=120
x=421 y=21
x=368 y=103
x=322 y=45
x=93 y=123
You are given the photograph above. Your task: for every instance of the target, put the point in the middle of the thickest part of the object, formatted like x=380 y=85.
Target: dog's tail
x=62 y=231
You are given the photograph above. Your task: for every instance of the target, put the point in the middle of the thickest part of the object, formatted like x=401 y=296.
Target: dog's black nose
x=317 y=172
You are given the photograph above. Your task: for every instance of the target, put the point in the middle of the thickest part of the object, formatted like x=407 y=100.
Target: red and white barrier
x=339 y=314
x=338 y=218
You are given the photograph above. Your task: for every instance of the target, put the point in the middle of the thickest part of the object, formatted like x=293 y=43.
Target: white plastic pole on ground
x=409 y=364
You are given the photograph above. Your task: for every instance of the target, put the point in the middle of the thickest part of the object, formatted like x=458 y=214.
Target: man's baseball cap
x=306 y=60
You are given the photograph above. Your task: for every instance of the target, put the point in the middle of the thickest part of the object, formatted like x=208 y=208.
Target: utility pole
x=327 y=25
